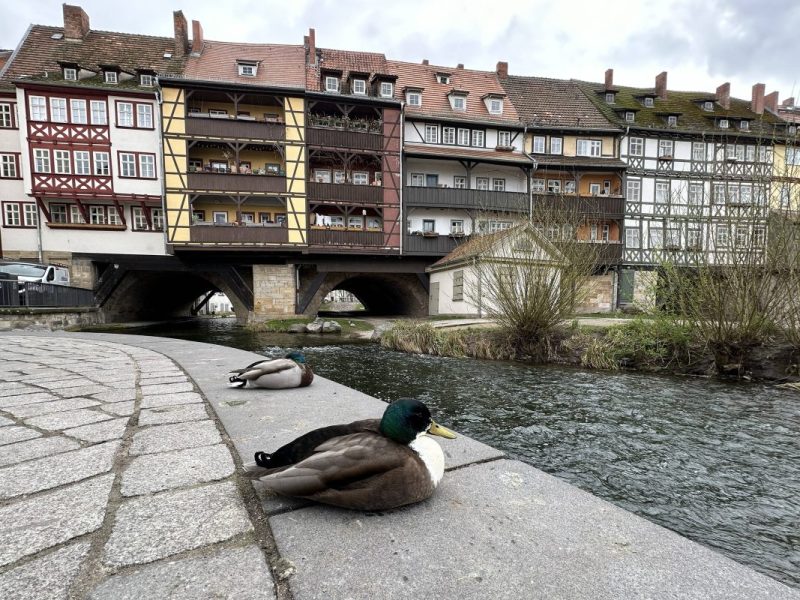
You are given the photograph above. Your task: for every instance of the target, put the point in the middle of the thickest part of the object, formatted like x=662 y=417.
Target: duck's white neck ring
x=431 y=454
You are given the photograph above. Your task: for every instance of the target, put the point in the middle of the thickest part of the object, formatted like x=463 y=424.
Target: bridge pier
x=274 y=292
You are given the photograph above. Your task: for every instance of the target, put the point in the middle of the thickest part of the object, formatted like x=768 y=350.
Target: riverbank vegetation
x=349 y=326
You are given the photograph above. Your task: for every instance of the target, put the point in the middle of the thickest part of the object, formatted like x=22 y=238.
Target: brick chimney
x=460 y=66
x=425 y=61
x=197 y=38
x=181 y=34
x=311 y=45
x=724 y=95
x=661 y=85
x=757 y=101
x=609 y=78
x=771 y=102
x=502 y=69
x=76 y=22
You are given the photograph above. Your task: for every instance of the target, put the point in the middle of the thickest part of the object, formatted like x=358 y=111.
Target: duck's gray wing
x=267 y=367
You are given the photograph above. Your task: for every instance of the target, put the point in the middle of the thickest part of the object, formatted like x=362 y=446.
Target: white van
x=33 y=272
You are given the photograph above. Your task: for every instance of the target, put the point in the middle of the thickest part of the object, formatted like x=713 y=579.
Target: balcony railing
x=236 y=182
x=612 y=207
x=466 y=199
x=343 y=138
x=608 y=253
x=345 y=192
x=438 y=245
x=238 y=234
x=234 y=128
x=343 y=237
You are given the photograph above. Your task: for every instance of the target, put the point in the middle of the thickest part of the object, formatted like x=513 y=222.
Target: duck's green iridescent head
x=296 y=356
x=405 y=419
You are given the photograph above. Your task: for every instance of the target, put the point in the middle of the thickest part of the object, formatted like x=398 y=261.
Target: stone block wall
x=273 y=292
x=47 y=319
x=600 y=297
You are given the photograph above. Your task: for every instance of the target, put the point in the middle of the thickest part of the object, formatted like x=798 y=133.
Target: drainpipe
x=159 y=102
x=402 y=176
x=530 y=173
x=39 y=252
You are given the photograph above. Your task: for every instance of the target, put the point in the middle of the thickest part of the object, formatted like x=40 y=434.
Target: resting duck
x=280 y=373
x=366 y=465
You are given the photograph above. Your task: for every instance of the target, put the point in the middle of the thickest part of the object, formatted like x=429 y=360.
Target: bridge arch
x=380 y=293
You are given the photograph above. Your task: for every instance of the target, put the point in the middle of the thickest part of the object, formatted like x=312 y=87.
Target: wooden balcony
x=234 y=129
x=438 y=245
x=238 y=234
x=343 y=237
x=236 y=182
x=610 y=207
x=467 y=199
x=343 y=138
x=345 y=192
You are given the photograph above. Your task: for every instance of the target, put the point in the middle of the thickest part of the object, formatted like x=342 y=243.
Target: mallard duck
x=374 y=464
x=280 y=373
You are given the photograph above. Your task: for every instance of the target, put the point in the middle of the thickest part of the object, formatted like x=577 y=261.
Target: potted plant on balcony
x=430 y=234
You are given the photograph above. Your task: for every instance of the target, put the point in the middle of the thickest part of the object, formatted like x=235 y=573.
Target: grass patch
x=420 y=337
x=282 y=325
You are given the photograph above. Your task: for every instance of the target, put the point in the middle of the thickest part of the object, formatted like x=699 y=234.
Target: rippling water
x=716 y=462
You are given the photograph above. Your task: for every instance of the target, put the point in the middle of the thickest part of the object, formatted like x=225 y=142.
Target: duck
x=290 y=371
x=369 y=465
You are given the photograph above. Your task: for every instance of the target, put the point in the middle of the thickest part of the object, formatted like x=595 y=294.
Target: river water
x=716 y=462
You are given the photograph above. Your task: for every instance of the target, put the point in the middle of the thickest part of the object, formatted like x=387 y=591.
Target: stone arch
x=380 y=293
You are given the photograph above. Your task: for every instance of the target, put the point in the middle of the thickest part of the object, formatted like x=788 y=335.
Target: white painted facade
x=415 y=132
x=514 y=179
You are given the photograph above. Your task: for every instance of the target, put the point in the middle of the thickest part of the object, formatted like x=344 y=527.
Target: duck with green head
x=374 y=464
x=277 y=374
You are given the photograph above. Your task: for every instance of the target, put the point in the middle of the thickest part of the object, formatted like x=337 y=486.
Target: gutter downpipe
x=534 y=165
x=402 y=179
x=159 y=103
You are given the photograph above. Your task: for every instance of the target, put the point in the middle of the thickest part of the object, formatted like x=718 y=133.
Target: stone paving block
x=235 y=573
x=5 y=421
x=52 y=471
x=156 y=472
x=122 y=409
x=67 y=419
x=43 y=408
x=173 y=414
x=162 y=438
x=53 y=380
x=117 y=395
x=177 y=378
x=46 y=578
x=99 y=432
x=171 y=399
x=33 y=524
x=20 y=399
x=167 y=388
x=43 y=446
x=16 y=433
x=178 y=520
x=15 y=388
x=86 y=390
x=146 y=377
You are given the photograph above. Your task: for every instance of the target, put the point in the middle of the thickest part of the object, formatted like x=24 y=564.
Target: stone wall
x=273 y=292
x=47 y=319
x=600 y=297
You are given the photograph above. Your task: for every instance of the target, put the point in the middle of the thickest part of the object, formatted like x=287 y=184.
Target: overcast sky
x=700 y=43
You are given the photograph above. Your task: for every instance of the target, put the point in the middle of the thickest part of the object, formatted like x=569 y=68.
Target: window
x=695 y=194
x=665 y=148
x=140 y=219
x=751 y=153
x=58 y=110
x=147 y=166
x=30 y=214
x=417 y=180
x=12 y=216
x=144 y=116
x=733 y=193
x=458 y=102
x=556 y=145
x=694 y=239
x=146 y=80
x=78 y=110
x=336 y=221
x=673 y=241
x=70 y=74
x=634 y=191
x=97 y=215
x=41 y=161
x=101 y=163
x=460 y=183
x=538 y=144
x=656 y=236
x=458 y=286
x=6 y=120
x=414 y=99
x=504 y=138
x=456 y=226
x=443 y=78
x=730 y=151
x=247 y=69
x=8 y=166
x=387 y=89
x=463 y=137
x=606 y=232
x=322 y=175
x=359 y=87
x=648 y=101
x=609 y=97
x=708 y=106
x=58 y=213
x=672 y=120
x=157 y=216
x=127 y=164
x=630 y=116
x=431 y=180
x=498 y=184
x=38 y=108
x=759 y=235
x=719 y=193
x=589 y=147
x=477 y=138
x=110 y=76
x=428 y=225
x=793 y=156
x=431 y=134
x=496 y=106
x=113 y=216
x=636 y=147
x=698 y=151
x=99 y=116
x=744 y=125
x=124 y=114
x=360 y=178
x=82 y=166
x=75 y=214
x=554 y=186
x=62 y=162
x=722 y=235
x=632 y=237
x=499 y=226
x=537 y=185
x=746 y=194
x=449 y=135
x=662 y=192
x=723 y=123
x=569 y=186
x=355 y=222
x=339 y=177
x=481 y=183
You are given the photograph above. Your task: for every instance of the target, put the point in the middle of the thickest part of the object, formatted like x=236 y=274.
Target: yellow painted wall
x=785 y=176
x=569 y=143
x=173 y=124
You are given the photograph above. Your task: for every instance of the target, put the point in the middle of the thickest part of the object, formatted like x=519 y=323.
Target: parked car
x=32 y=272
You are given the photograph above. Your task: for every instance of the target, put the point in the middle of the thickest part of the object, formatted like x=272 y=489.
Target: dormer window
x=630 y=117
x=331 y=84
x=359 y=87
x=672 y=120
x=610 y=97
x=247 y=68
x=723 y=123
x=648 y=101
x=496 y=106
x=443 y=78
x=744 y=125
x=146 y=80
x=414 y=98
x=708 y=106
x=458 y=102
x=110 y=76
x=387 y=89
x=70 y=74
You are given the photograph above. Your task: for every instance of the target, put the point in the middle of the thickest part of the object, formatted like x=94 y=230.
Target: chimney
x=425 y=61
x=197 y=38
x=181 y=34
x=724 y=95
x=502 y=69
x=771 y=102
x=76 y=22
x=788 y=103
x=661 y=85
x=757 y=101
x=312 y=46
x=609 y=78
x=460 y=66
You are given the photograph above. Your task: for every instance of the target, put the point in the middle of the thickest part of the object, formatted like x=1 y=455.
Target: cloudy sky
x=700 y=43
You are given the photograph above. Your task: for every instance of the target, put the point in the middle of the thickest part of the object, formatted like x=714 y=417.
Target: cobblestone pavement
x=115 y=481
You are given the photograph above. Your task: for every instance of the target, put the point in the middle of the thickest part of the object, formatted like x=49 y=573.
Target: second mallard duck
x=277 y=374
x=367 y=465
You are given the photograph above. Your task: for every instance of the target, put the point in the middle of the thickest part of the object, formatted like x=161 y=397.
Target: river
x=716 y=462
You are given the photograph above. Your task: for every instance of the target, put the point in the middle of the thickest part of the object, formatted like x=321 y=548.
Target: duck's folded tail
x=258 y=468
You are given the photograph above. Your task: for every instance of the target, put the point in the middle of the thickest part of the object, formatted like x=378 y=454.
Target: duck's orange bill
x=435 y=429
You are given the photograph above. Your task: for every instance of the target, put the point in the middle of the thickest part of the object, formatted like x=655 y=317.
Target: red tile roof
x=488 y=154
x=279 y=65
x=4 y=56
x=347 y=61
